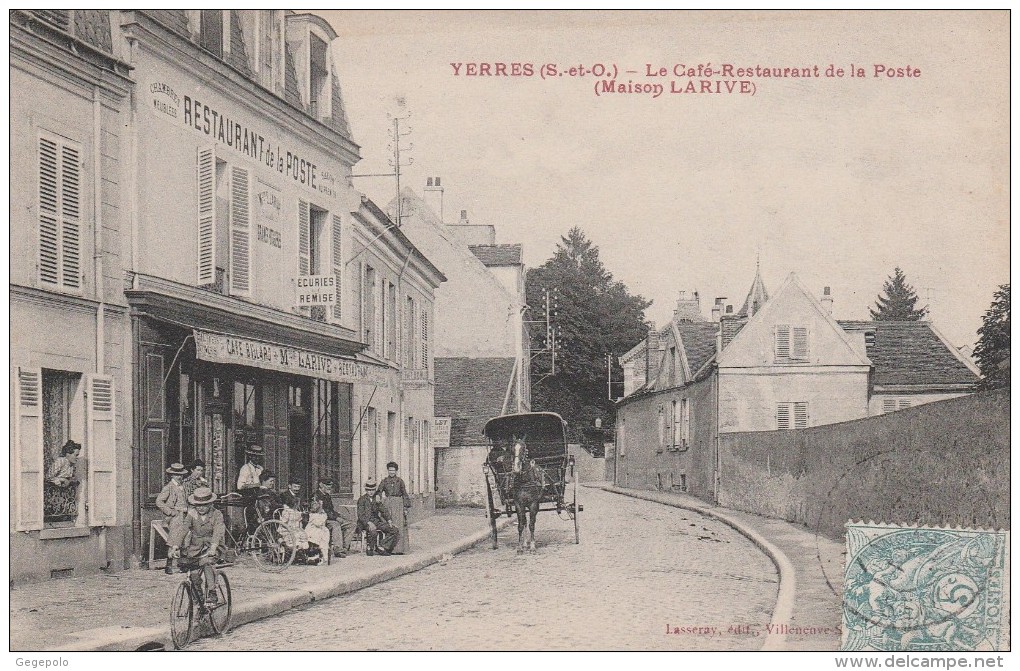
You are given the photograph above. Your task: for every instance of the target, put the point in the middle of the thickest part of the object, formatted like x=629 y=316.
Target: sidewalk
x=810 y=571
x=130 y=609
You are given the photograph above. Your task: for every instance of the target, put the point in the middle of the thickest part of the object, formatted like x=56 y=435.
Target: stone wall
x=944 y=463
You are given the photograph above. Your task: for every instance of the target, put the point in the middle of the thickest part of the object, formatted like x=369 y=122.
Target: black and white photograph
x=510 y=330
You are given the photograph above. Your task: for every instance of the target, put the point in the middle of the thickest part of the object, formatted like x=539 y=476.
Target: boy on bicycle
x=202 y=529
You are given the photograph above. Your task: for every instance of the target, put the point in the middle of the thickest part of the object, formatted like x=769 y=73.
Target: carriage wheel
x=576 y=516
x=490 y=510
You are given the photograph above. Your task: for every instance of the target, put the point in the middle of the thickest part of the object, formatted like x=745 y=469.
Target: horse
x=527 y=484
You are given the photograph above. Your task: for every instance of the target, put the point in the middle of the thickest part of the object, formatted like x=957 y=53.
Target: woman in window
x=61 y=473
x=397 y=503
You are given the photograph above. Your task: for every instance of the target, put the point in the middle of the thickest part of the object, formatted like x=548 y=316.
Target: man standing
x=380 y=534
x=340 y=529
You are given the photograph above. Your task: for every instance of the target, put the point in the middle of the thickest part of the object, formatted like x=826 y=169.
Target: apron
x=394 y=505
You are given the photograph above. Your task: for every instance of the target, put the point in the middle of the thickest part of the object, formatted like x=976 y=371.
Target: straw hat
x=202 y=496
x=176 y=469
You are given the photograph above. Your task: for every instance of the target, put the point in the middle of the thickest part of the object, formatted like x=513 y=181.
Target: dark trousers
x=380 y=535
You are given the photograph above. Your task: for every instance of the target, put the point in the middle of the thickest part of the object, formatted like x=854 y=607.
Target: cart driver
x=194 y=538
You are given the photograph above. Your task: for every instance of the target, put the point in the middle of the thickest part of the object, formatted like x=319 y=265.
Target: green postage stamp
x=925 y=589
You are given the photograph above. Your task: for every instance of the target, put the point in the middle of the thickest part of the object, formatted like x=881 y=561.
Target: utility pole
x=395 y=160
x=551 y=332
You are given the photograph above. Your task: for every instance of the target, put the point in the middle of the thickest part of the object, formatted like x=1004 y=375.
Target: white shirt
x=249 y=476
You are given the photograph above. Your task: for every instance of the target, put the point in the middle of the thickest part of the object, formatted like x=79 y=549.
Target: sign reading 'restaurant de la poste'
x=222 y=348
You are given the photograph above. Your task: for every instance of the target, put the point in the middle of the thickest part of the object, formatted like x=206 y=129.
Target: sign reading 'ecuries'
x=315 y=290
x=222 y=348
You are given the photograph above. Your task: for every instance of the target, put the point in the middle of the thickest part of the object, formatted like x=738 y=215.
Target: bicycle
x=272 y=544
x=186 y=604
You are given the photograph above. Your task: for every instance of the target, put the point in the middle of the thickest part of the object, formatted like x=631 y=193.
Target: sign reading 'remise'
x=221 y=348
x=315 y=290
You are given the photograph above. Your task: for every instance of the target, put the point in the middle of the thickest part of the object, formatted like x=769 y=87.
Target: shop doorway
x=300 y=425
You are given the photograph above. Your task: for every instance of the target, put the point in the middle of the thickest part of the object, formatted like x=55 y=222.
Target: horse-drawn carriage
x=528 y=469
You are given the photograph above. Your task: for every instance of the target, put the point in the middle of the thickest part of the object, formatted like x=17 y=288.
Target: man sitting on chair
x=380 y=534
x=340 y=529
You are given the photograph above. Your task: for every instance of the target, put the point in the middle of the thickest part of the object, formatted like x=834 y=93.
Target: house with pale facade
x=782 y=362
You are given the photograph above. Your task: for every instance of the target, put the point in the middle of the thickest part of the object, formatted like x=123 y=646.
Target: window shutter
x=685 y=430
x=783 y=416
x=800 y=415
x=240 y=232
x=889 y=405
x=28 y=449
x=59 y=214
x=304 y=241
x=800 y=343
x=102 y=451
x=206 y=217
x=338 y=265
x=904 y=403
x=49 y=227
x=424 y=339
x=378 y=337
x=70 y=200
x=782 y=342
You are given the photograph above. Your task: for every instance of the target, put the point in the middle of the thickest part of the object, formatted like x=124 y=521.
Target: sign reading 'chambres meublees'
x=221 y=348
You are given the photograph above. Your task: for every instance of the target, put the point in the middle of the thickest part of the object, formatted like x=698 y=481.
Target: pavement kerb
x=128 y=638
x=783 y=611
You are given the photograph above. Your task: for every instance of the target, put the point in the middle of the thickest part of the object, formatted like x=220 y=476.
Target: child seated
x=316 y=530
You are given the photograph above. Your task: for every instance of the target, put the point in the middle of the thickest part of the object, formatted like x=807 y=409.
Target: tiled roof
x=291 y=92
x=238 y=56
x=470 y=392
x=699 y=342
x=731 y=327
x=910 y=353
x=498 y=255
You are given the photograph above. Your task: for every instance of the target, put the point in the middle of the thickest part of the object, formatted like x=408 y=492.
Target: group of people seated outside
x=318 y=527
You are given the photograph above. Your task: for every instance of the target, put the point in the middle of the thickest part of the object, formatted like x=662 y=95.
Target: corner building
x=242 y=203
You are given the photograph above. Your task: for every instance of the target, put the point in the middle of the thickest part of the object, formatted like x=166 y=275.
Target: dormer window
x=210 y=31
x=792 y=344
x=318 y=76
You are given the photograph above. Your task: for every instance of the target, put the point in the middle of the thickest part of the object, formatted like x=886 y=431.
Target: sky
x=838 y=179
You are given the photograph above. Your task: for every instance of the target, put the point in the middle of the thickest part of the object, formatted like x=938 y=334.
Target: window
x=368 y=307
x=53 y=489
x=385 y=317
x=674 y=439
x=792 y=415
x=311 y=248
x=660 y=446
x=266 y=51
x=391 y=326
x=336 y=237
x=224 y=225
x=59 y=214
x=685 y=423
x=791 y=343
x=316 y=250
x=318 y=77
x=210 y=31
x=409 y=341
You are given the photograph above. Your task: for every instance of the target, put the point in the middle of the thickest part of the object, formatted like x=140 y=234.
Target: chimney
x=717 y=309
x=827 y=300
x=463 y=218
x=434 y=196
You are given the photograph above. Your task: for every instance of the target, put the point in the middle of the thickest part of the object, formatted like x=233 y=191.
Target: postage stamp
x=925 y=588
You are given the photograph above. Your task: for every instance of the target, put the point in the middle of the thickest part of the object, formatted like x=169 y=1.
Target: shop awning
x=202 y=310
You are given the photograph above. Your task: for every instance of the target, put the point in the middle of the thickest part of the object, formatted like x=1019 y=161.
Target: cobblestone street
x=640 y=567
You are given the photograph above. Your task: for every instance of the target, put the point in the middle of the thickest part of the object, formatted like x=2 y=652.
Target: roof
x=731 y=326
x=498 y=255
x=911 y=353
x=470 y=392
x=699 y=342
x=756 y=297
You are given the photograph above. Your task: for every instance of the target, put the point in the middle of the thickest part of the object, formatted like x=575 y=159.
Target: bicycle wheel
x=273 y=546
x=219 y=615
x=182 y=615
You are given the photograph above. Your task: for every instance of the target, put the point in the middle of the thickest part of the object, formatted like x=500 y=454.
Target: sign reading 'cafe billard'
x=221 y=348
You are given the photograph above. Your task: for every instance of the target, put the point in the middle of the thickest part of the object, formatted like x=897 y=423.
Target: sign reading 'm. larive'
x=222 y=348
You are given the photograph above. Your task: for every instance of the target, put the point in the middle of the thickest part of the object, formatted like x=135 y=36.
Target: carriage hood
x=544 y=432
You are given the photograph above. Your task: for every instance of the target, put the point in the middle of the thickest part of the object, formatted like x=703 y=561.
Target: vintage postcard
x=344 y=330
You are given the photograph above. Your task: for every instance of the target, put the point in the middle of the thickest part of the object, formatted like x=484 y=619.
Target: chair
x=158 y=527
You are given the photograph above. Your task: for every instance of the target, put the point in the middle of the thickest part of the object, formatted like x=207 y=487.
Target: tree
x=595 y=315
x=992 y=350
x=898 y=302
